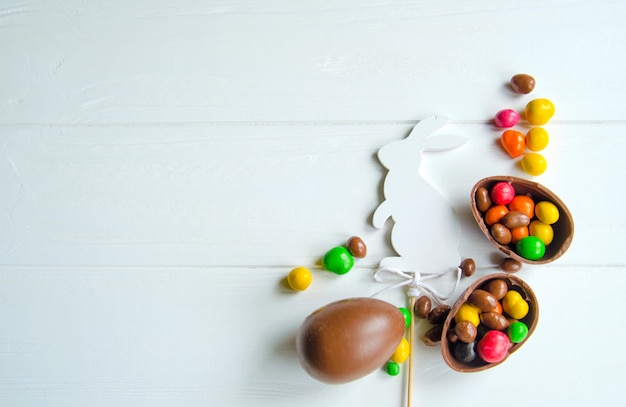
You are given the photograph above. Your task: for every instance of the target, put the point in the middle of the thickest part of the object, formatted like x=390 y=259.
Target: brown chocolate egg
x=348 y=339
x=563 y=228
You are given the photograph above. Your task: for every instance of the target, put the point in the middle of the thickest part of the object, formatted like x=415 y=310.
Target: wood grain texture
x=163 y=165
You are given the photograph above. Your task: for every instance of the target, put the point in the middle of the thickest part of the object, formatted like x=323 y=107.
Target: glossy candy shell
x=531 y=319
x=563 y=229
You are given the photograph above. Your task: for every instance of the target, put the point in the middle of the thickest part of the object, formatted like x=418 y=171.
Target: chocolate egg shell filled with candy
x=563 y=229
x=348 y=339
x=530 y=319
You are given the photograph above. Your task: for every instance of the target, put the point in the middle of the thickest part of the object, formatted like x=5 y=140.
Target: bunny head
x=426 y=231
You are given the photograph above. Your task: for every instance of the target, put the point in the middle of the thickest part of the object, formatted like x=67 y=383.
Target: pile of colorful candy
x=491 y=318
x=517 y=220
x=536 y=113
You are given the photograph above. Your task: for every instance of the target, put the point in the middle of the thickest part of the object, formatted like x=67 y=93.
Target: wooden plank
x=132 y=336
x=265 y=195
x=81 y=61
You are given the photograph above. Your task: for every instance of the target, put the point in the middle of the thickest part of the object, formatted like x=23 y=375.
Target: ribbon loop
x=414 y=282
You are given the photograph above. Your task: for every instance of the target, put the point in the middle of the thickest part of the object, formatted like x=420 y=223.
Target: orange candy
x=518 y=233
x=524 y=204
x=495 y=214
x=513 y=143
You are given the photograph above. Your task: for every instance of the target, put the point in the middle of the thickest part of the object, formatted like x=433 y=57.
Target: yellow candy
x=514 y=305
x=402 y=352
x=539 y=111
x=534 y=164
x=547 y=212
x=537 y=139
x=299 y=278
x=468 y=312
x=543 y=231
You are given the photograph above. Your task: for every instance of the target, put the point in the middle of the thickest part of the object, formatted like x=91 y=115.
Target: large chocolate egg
x=348 y=339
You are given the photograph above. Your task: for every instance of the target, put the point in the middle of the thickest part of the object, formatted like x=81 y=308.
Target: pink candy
x=502 y=193
x=493 y=347
x=506 y=118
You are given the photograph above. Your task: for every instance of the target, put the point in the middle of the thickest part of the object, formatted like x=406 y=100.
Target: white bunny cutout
x=426 y=230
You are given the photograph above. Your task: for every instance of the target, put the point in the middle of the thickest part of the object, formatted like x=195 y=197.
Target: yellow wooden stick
x=409 y=391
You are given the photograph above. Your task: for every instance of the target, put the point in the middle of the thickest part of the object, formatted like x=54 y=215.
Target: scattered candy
x=534 y=164
x=422 y=307
x=539 y=111
x=468 y=267
x=510 y=265
x=493 y=347
x=357 y=247
x=513 y=142
x=537 y=139
x=401 y=353
x=338 y=260
x=506 y=118
x=407 y=316
x=522 y=83
x=392 y=368
x=439 y=314
x=299 y=278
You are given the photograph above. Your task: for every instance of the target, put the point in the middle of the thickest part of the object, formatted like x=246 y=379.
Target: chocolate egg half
x=563 y=229
x=348 y=339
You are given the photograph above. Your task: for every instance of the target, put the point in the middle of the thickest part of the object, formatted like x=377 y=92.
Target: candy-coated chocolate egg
x=514 y=305
x=299 y=278
x=493 y=346
x=530 y=247
x=513 y=142
x=534 y=164
x=502 y=193
x=518 y=331
x=539 y=111
x=348 y=339
x=541 y=230
x=392 y=368
x=522 y=83
x=401 y=353
x=338 y=260
x=547 y=212
x=537 y=139
x=506 y=118
x=357 y=247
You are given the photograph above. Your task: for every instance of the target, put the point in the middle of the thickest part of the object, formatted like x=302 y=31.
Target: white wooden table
x=163 y=165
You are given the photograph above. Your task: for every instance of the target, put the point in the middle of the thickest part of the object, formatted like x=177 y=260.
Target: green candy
x=407 y=316
x=518 y=331
x=531 y=248
x=392 y=368
x=338 y=260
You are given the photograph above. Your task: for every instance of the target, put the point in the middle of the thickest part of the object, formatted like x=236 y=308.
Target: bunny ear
x=443 y=142
x=426 y=127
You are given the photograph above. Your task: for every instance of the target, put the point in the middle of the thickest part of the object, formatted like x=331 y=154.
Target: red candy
x=494 y=346
x=506 y=118
x=502 y=193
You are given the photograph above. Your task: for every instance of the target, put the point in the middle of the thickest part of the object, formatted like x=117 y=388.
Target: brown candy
x=515 y=219
x=439 y=314
x=484 y=300
x=357 y=247
x=501 y=233
x=465 y=331
x=494 y=320
x=483 y=200
x=522 y=83
x=510 y=265
x=498 y=288
x=468 y=267
x=433 y=336
x=422 y=307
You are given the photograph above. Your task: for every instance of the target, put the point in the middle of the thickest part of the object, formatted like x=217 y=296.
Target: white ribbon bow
x=414 y=281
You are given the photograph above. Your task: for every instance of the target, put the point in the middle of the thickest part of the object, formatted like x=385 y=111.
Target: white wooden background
x=163 y=165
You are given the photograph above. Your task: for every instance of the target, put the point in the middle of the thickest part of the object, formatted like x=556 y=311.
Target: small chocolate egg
x=348 y=339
